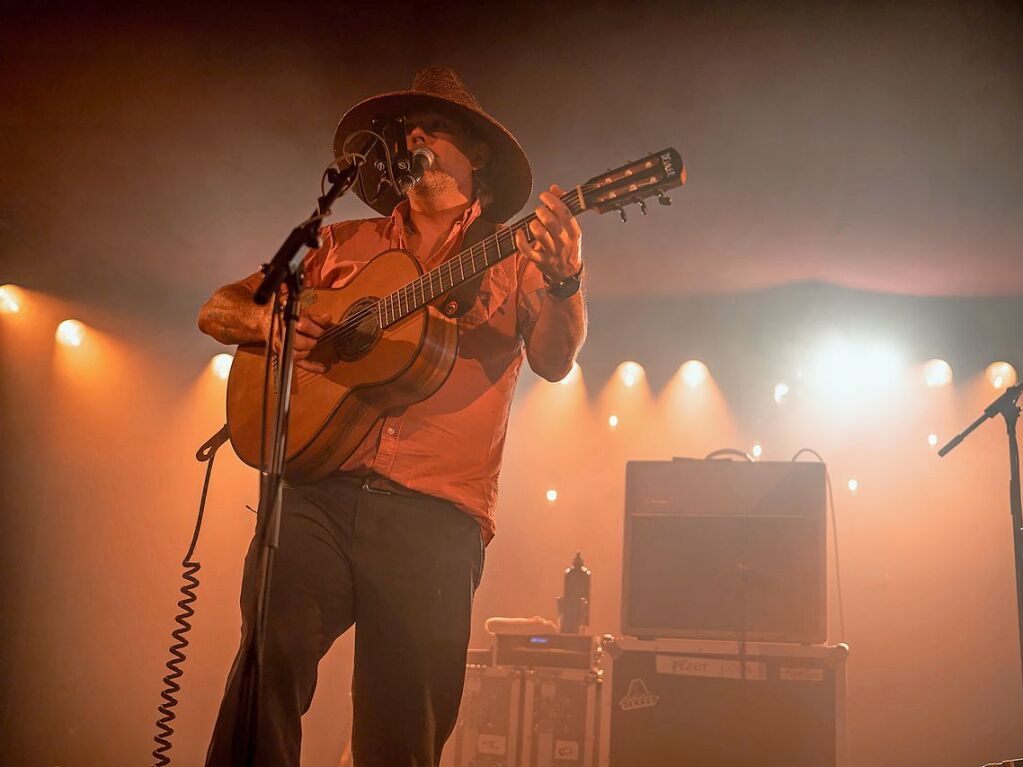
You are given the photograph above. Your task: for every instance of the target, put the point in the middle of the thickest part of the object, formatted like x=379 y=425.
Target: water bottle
x=574 y=606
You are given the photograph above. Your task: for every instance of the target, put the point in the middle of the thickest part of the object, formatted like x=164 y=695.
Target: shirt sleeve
x=315 y=260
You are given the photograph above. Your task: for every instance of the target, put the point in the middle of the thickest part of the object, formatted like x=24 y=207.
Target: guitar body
x=369 y=373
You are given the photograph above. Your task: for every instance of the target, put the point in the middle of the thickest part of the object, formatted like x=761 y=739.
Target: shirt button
x=390 y=430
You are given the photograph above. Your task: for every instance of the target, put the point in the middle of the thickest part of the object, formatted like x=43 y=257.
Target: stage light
x=70 y=333
x=694 y=373
x=552 y=495
x=840 y=367
x=937 y=373
x=10 y=299
x=932 y=440
x=612 y=422
x=853 y=486
x=756 y=450
x=630 y=373
x=221 y=365
x=781 y=389
x=573 y=374
x=1000 y=375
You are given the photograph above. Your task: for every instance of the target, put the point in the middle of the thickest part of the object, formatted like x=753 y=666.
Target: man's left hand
x=556 y=248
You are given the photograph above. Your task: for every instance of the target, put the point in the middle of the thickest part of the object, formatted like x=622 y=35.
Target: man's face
x=458 y=153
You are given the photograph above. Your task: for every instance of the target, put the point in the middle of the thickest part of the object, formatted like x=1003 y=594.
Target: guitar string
x=428 y=278
x=350 y=326
x=342 y=332
x=448 y=266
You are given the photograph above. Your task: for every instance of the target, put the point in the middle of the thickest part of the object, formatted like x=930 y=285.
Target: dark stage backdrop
x=853 y=168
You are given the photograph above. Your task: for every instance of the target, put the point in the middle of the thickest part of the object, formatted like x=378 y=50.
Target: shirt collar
x=401 y=222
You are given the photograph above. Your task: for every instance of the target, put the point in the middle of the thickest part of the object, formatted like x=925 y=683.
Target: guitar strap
x=460 y=300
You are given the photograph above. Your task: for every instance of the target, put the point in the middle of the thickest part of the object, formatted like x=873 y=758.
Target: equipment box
x=487 y=731
x=559 y=718
x=673 y=702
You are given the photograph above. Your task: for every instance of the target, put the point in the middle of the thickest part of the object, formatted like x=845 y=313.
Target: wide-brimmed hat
x=507 y=173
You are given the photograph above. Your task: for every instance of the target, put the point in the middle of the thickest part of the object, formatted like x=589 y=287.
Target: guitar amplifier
x=720 y=549
x=673 y=702
x=559 y=718
x=487 y=731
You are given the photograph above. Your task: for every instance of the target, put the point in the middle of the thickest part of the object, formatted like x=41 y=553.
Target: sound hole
x=360 y=330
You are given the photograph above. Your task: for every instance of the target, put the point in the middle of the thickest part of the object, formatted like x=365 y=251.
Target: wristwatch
x=566 y=288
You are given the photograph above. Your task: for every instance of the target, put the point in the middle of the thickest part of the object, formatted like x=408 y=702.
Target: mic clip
x=411 y=170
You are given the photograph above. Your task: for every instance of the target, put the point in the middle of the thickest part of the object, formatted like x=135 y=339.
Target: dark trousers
x=403 y=570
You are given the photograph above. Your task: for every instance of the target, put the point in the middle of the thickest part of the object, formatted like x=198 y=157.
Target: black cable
x=171 y=687
x=268 y=366
x=834 y=531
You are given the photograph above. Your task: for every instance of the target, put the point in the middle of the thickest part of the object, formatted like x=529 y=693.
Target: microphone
x=421 y=159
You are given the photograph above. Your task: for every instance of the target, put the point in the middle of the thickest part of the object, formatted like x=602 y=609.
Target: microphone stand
x=284 y=269
x=1006 y=406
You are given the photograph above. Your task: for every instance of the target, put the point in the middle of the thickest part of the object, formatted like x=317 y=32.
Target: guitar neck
x=467 y=264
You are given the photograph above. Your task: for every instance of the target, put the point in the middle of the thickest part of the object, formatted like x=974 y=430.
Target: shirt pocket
x=495 y=294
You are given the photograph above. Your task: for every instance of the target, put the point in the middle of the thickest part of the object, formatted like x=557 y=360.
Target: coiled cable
x=171 y=688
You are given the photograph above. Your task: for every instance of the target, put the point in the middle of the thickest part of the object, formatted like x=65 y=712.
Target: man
x=393 y=542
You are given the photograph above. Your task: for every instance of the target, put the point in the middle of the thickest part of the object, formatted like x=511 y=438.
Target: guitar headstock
x=635 y=182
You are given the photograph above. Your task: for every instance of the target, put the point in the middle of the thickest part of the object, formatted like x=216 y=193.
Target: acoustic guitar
x=393 y=344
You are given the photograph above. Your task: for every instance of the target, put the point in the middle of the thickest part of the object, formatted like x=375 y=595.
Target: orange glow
x=626 y=396
x=694 y=373
x=221 y=365
x=11 y=299
x=575 y=374
x=1000 y=375
x=70 y=333
x=91 y=361
x=631 y=373
x=691 y=421
x=937 y=373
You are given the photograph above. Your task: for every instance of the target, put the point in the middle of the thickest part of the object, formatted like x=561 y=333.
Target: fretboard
x=461 y=268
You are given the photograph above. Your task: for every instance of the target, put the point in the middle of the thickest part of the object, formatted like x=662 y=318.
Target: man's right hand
x=231 y=317
x=308 y=331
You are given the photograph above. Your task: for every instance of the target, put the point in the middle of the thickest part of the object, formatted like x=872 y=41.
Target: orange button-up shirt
x=449 y=445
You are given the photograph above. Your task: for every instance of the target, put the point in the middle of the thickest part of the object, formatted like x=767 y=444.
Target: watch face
x=565 y=288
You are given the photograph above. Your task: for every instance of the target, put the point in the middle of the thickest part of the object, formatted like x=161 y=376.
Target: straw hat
x=507 y=172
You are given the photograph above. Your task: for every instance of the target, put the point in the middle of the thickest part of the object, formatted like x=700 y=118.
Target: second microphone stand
x=1006 y=406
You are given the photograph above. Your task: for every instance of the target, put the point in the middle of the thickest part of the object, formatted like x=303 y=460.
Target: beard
x=434 y=184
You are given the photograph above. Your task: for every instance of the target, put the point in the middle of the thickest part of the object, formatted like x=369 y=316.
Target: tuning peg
x=663 y=199
x=642 y=206
x=621 y=212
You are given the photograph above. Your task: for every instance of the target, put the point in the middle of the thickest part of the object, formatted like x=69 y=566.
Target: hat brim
x=508 y=173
